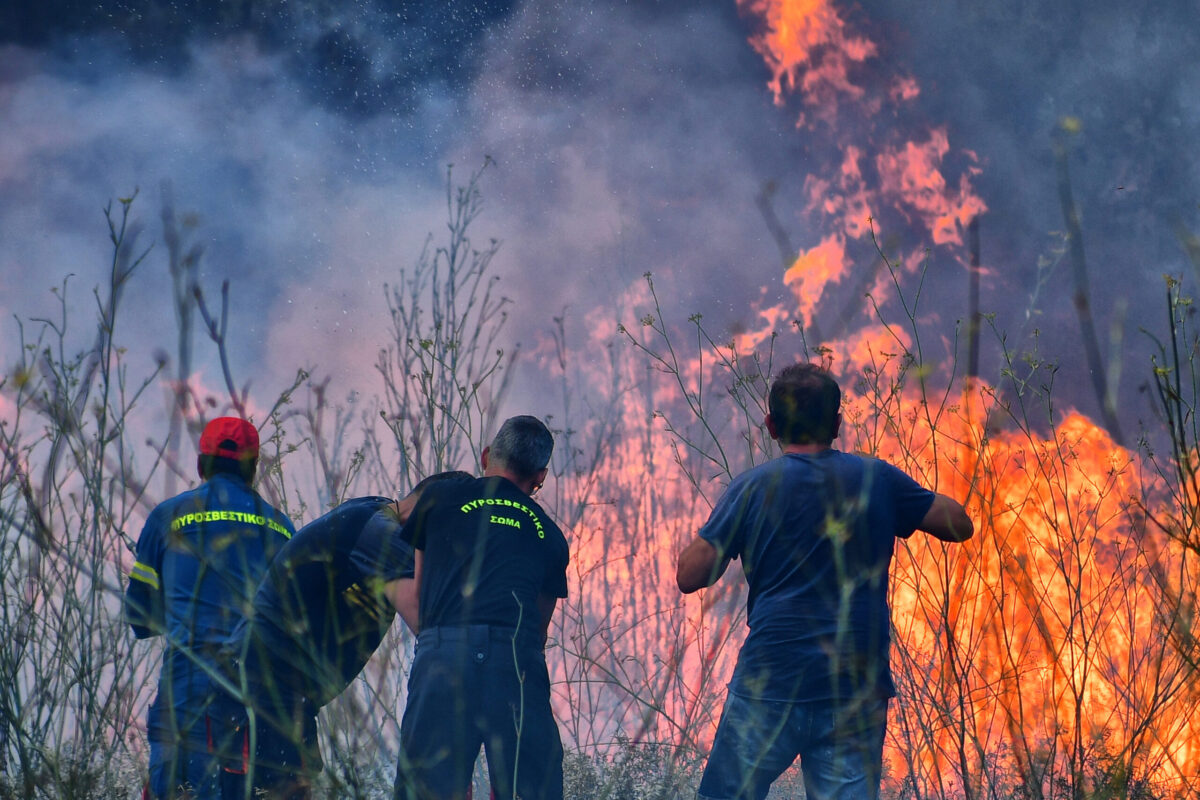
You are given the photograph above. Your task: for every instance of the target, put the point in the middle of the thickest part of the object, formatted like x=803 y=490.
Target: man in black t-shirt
x=490 y=566
x=319 y=613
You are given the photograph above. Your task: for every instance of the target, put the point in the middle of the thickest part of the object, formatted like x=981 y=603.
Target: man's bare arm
x=947 y=520
x=405 y=594
x=697 y=567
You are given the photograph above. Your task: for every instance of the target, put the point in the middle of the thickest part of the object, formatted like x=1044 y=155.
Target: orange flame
x=912 y=175
x=806 y=46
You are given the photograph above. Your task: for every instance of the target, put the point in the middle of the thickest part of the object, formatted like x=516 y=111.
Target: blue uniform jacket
x=200 y=558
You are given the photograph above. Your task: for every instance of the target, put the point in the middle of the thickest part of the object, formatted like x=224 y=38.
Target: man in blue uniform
x=318 y=616
x=815 y=529
x=200 y=557
x=490 y=567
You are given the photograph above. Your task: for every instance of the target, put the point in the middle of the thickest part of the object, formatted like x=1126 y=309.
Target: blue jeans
x=840 y=747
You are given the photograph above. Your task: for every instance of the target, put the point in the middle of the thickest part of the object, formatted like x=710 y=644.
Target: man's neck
x=524 y=484
x=808 y=449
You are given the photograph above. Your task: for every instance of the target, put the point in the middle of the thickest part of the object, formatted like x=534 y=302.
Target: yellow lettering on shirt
x=200 y=517
x=474 y=505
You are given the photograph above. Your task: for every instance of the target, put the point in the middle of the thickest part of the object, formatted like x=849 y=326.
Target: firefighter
x=490 y=566
x=320 y=613
x=200 y=557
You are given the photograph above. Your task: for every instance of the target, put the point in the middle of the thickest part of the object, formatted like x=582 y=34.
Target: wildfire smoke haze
x=766 y=162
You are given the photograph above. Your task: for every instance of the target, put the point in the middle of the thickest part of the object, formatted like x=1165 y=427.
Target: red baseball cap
x=229 y=437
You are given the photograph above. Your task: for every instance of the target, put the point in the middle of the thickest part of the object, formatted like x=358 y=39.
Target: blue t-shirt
x=815 y=535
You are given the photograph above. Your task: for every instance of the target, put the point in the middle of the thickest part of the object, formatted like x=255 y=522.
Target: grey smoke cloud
x=626 y=140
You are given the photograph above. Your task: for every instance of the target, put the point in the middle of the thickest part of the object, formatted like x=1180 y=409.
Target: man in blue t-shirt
x=490 y=568
x=319 y=615
x=200 y=557
x=815 y=529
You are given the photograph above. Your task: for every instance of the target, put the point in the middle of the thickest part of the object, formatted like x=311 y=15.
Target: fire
x=813 y=269
x=1041 y=654
x=806 y=46
x=1036 y=644
x=911 y=173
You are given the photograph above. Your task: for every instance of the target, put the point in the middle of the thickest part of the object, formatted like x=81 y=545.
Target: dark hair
x=523 y=446
x=244 y=468
x=457 y=475
x=804 y=404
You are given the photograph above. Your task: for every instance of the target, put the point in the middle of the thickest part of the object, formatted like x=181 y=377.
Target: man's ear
x=483 y=457
x=770 y=423
x=837 y=427
x=540 y=478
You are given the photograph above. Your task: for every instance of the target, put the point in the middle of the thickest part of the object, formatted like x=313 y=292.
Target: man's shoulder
x=222 y=489
x=187 y=500
x=874 y=465
x=503 y=491
x=552 y=533
x=367 y=504
x=345 y=519
x=487 y=490
x=452 y=490
x=789 y=468
x=549 y=523
x=772 y=470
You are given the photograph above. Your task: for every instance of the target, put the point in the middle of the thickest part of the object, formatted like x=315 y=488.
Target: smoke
x=311 y=144
x=1110 y=83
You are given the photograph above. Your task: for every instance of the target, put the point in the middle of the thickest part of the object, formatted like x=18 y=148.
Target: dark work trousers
x=286 y=756
x=181 y=730
x=475 y=686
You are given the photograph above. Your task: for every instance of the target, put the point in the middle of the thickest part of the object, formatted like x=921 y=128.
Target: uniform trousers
x=479 y=686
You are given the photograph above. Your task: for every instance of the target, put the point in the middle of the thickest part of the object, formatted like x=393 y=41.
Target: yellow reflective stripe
x=145 y=574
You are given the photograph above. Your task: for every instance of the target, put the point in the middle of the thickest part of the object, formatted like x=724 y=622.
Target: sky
x=309 y=144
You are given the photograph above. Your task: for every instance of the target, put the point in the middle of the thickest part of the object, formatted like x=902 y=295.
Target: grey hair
x=523 y=446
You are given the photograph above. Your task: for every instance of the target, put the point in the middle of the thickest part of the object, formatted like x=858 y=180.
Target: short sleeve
x=380 y=551
x=726 y=525
x=910 y=500
x=555 y=583
x=414 y=530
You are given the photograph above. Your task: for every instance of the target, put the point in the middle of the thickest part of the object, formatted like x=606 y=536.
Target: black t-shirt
x=489 y=551
x=319 y=613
